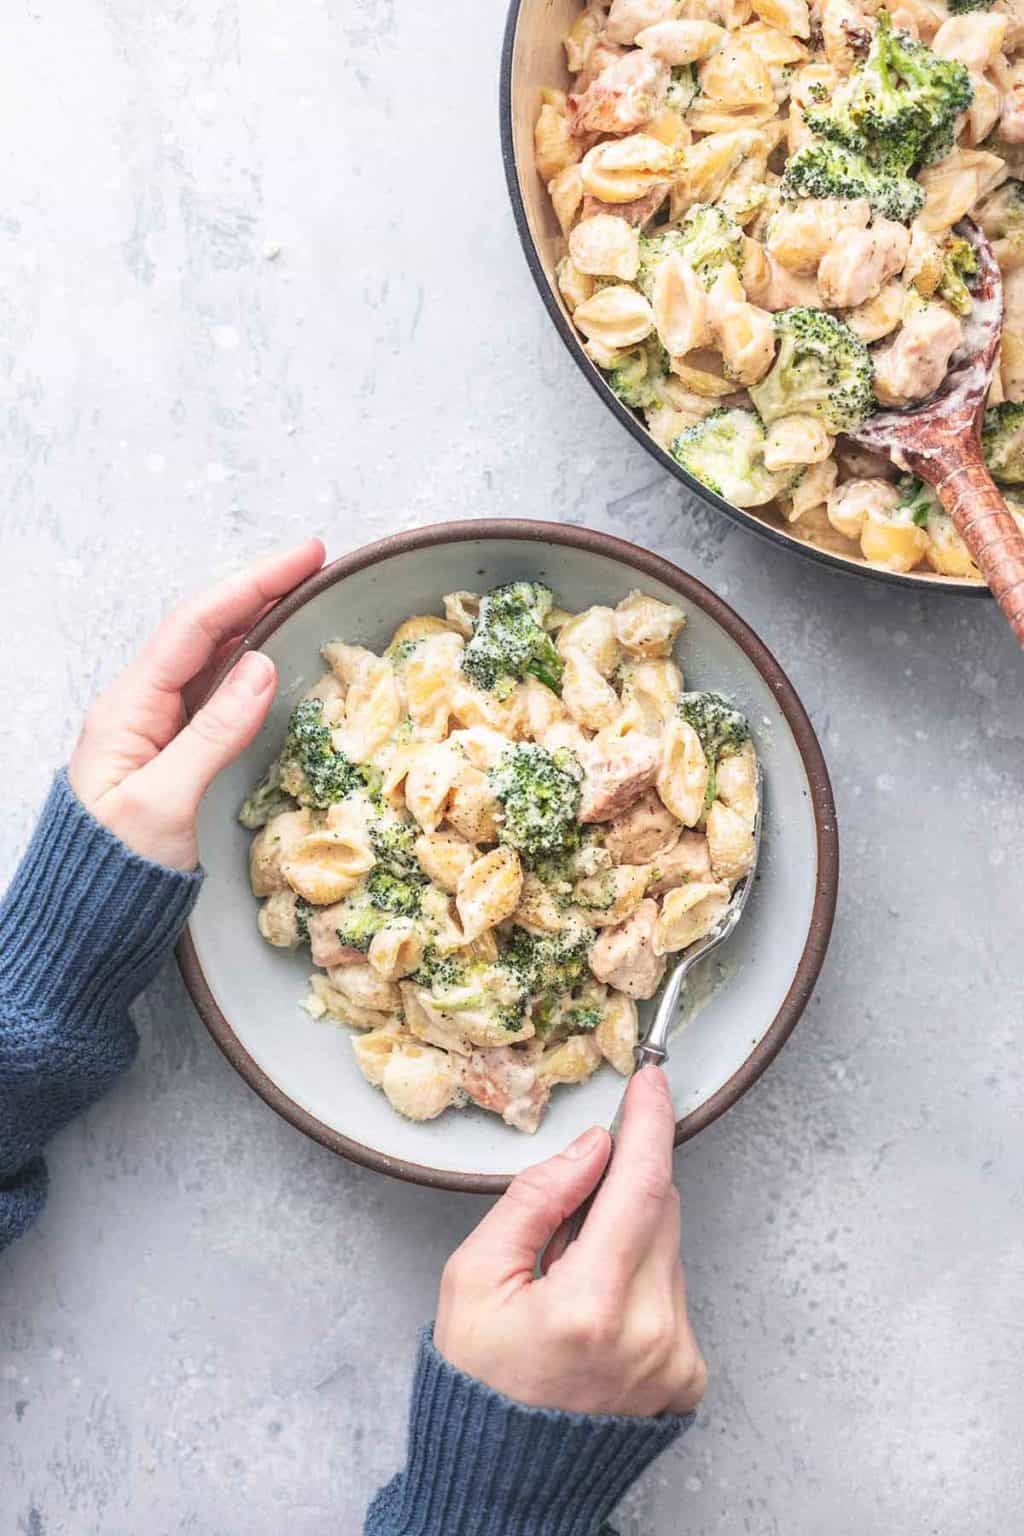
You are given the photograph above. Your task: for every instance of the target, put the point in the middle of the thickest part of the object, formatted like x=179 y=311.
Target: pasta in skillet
x=492 y=836
x=759 y=201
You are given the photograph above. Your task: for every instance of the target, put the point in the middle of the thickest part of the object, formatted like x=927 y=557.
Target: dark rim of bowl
x=950 y=585
x=693 y=591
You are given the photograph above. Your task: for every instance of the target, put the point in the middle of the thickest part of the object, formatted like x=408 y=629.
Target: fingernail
x=585 y=1145
x=255 y=672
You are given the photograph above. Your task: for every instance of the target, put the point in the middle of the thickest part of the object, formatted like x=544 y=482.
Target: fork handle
x=643 y=1056
x=975 y=503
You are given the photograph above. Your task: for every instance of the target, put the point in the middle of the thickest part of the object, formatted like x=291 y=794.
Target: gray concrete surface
x=211 y=1330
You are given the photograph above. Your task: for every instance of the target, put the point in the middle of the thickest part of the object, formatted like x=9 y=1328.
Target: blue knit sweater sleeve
x=480 y=1464
x=84 y=926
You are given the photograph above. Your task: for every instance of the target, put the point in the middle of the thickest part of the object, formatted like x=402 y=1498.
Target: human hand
x=137 y=767
x=605 y=1330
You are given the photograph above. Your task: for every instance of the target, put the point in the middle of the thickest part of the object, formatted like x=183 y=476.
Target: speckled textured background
x=260 y=279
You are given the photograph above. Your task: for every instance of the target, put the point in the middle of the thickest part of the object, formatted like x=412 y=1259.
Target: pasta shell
x=489 y=891
x=623 y=170
x=683 y=777
x=616 y=316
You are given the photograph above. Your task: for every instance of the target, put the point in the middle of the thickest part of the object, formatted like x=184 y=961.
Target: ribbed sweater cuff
x=482 y=1465
x=86 y=923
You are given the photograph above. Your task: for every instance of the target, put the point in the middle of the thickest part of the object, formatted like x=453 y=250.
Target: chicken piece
x=271 y=846
x=771 y=286
x=505 y=1080
x=600 y=56
x=623 y=97
x=861 y=262
x=624 y=957
x=851 y=503
x=915 y=362
x=325 y=947
x=801 y=233
x=363 y=986
x=616 y=774
x=879 y=316
x=644 y=832
x=605 y=246
x=688 y=859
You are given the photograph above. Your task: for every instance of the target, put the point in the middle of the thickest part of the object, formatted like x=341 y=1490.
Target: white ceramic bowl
x=249 y=994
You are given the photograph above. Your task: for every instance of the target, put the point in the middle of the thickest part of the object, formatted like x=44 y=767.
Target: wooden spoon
x=939 y=442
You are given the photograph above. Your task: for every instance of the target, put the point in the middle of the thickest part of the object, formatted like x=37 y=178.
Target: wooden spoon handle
x=979 y=513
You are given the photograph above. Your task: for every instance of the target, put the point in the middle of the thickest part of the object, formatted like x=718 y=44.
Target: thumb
x=529 y=1213
x=214 y=737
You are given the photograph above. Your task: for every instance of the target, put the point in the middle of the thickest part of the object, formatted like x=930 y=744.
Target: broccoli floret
x=394 y=845
x=821 y=369
x=638 y=380
x=393 y=894
x=396 y=881
x=707 y=239
x=682 y=88
x=360 y=918
x=583 y=1018
x=726 y=452
x=1002 y=442
x=303 y=913
x=711 y=240
x=918 y=501
x=311 y=769
x=510 y=641
x=266 y=801
x=722 y=729
x=445 y=971
x=548 y=965
x=900 y=106
x=959 y=264
x=831 y=170
x=540 y=795
x=958 y=7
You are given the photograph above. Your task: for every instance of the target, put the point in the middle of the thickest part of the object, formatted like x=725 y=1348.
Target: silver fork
x=652 y=1050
